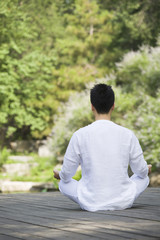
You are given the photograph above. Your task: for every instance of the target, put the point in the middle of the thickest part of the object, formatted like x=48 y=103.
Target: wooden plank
x=53 y=216
x=59 y=214
x=110 y=221
x=43 y=232
x=6 y=237
x=17 y=234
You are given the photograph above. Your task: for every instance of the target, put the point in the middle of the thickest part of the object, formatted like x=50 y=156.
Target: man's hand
x=149 y=168
x=56 y=174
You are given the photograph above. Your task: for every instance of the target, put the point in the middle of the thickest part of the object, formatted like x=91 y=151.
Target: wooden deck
x=53 y=216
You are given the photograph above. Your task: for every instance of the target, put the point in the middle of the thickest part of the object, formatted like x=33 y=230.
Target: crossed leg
x=69 y=189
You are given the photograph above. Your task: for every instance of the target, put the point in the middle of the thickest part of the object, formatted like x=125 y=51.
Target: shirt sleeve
x=71 y=160
x=137 y=162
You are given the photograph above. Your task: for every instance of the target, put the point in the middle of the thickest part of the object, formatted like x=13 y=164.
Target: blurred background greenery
x=52 y=52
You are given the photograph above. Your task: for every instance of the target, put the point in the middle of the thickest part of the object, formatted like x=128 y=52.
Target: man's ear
x=92 y=108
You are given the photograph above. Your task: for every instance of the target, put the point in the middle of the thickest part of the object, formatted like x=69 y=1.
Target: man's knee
x=147 y=181
x=141 y=184
x=68 y=187
x=61 y=185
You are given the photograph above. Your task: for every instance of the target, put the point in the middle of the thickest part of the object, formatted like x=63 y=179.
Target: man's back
x=105 y=152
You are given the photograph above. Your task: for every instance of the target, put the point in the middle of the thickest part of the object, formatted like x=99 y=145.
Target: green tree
x=33 y=77
x=24 y=75
x=136 y=22
x=50 y=49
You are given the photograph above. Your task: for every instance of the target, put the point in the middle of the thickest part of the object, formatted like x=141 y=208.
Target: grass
x=43 y=172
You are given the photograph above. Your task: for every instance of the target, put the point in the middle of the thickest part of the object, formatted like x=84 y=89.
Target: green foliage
x=33 y=78
x=78 y=175
x=136 y=22
x=72 y=116
x=147 y=124
x=143 y=118
x=43 y=172
x=139 y=71
x=4 y=154
x=50 y=49
x=137 y=104
x=24 y=83
x=138 y=75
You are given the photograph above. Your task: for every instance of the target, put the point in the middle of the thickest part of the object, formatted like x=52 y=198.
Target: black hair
x=102 y=98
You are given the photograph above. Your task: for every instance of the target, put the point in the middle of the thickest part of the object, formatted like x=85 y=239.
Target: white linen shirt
x=104 y=150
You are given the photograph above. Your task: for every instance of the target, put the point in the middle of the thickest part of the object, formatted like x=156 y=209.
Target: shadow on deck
x=53 y=216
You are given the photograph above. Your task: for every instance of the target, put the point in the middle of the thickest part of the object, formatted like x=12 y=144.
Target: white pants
x=69 y=189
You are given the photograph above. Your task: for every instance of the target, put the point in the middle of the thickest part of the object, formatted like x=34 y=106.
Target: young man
x=104 y=150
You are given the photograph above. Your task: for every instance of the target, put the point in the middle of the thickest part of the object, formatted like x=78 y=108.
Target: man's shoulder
x=116 y=127
x=82 y=130
x=123 y=128
x=122 y=131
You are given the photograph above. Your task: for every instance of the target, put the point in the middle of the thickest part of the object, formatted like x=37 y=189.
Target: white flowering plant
x=136 y=83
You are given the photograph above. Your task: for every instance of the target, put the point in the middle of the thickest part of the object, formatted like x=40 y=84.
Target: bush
x=4 y=154
x=139 y=71
x=73 y=115
x=137 y=106
x=138 y=75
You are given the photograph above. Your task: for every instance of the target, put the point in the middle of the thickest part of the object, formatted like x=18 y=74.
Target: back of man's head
x=102 y=98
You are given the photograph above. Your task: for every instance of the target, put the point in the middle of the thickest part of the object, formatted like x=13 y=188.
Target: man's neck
x=102 y=117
